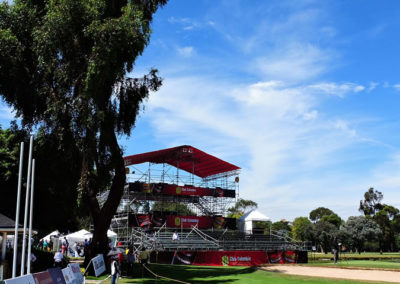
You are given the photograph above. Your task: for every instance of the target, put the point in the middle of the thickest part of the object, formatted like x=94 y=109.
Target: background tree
x=317 y=214
x=9 y=164
x=63 y=65
x=241 y=207
x=56 y=175
x=386 y=216
x=321 y=233
x=360 y=229
x=299 y=228
x=371 y=203
x=282 y=228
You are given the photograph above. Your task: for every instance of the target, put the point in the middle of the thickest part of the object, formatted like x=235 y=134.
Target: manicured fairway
x=379 y=264
x=201 y=274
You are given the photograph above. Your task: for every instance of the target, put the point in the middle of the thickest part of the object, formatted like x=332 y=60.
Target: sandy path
x=342 y=273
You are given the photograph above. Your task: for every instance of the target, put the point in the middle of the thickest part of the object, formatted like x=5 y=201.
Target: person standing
x=335 y=248
x=175 y=236
x=131 y=261
x=114 y=270
x=58 y=258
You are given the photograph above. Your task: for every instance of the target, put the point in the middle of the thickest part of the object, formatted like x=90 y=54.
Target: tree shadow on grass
x=191 y=274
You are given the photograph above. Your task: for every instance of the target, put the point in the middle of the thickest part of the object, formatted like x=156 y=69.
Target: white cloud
x=397 y=87
x=186 y=51
x=274 y=130
x=372 y=86
x=295 y=62
x=339 y=90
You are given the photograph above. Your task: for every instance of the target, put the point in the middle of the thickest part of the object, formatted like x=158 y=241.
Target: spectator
x=335 y=248
x=175 y=236
x=58 y=258
x=131 y=261
x=115 y=271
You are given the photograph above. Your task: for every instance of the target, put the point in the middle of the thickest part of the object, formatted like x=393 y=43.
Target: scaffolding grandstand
x=186 y=192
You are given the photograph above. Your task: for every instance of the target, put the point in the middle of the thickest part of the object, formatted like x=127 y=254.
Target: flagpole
x=30 y=219
x=28 y=184
x=21 y=161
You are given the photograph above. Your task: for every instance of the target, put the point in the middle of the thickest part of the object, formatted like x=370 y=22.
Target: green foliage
x=386 y=216
x=299 y=228
x=241 y=207
x=333 y=219
x=371 y=203
x=321 y=233
x=63 y=66
x=9 y=159
x=359 y=230
x=318 y=213
x=282 y=228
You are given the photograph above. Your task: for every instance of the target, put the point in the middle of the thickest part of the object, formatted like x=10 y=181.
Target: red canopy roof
x=186 y=158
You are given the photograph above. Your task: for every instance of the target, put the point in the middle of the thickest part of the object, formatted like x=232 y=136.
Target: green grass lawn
x=209 y=274
x=378 y=264
x=365 y=256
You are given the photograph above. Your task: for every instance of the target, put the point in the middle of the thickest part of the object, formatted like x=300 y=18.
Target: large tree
x=299 y=228
x=386 y=216
x=241 y=207
x=360 y=229
x=64 y=66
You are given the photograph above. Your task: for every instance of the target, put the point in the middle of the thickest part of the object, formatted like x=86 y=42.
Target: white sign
x=99 y=265
x=76 y=270
x=68 y=275
x=1 y=272
x=26 y=279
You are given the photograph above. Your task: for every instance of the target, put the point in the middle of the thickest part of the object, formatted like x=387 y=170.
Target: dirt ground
x=333 y=272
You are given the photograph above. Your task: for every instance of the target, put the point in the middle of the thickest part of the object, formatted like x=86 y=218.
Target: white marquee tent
x=81 y=235
x=245 y=222
x=56 y=233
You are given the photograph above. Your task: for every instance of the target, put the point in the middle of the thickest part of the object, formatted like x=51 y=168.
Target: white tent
x=56 y=233
x=245 y=222
x=81 y=235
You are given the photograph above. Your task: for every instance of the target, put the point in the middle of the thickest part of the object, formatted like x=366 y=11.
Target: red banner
x=202 y=222
x=275 y=257
x=173 y=189
x=228 y=258
x=221 y=258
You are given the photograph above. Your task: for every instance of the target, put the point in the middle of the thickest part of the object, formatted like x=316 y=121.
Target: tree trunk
x=102 y=217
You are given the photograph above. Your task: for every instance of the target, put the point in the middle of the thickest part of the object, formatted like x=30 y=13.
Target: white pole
x=30 y=219
x=21 y=161
x=28 y=184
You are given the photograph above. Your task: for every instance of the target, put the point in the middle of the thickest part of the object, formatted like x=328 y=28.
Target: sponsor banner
x=68 y=275
x=275 y=257
x=173 y=189
x=227 y=258
x=98 y=265
x=290 y=256
x=202 y=222
x=76 y=270
x=43 y=278
x=56 y=274
x=26 y=279
x=231 y=258
x=216 y=258
x=184 y=257
x=157 y=219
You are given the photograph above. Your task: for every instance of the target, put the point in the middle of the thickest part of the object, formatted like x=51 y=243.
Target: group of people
x=46 y=245
x=125 y=262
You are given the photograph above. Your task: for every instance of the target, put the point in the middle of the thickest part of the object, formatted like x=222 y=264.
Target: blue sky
x=302 y=95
